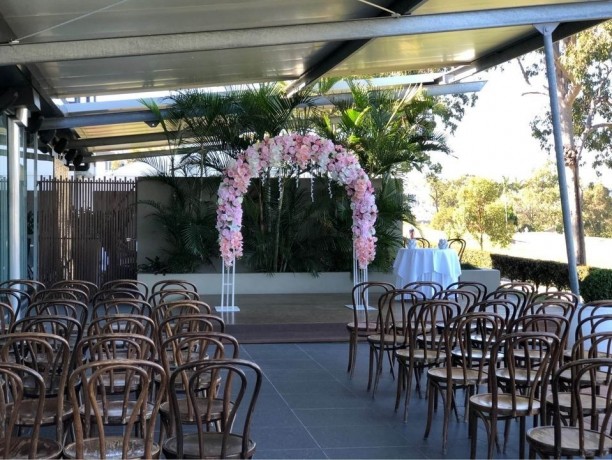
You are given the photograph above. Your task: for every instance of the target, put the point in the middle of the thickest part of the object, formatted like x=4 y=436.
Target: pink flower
x=291 y=150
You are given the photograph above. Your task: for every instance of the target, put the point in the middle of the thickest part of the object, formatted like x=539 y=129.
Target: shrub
x=474 y=258
x=596 y=285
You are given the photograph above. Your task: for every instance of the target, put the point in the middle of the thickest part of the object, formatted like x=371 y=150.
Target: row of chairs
x=181 y=365
x=452 y=336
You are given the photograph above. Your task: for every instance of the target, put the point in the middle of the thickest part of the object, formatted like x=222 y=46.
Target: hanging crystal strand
x=329 y=188
x=297 y=177
x=312 y=186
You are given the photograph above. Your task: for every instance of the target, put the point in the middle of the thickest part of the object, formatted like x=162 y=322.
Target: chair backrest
x=118 y=293
x=592 y=325
x=47 y=354
x=90 y=391
x=28 y=286
x=60 y=307
x=519 y=376
x=109 y=307
x=505 y=308
x=528 y=288
x=543 y=322
x=424 y=326
x=167 y=296
x=595 y=345
x=468 y=341
x=7 y=317
x=478 y=288
x=87 y=286
x=173 y=285
x=590 y=408
x=179 y=308
x=365 y=298
x=128 y=284
x=54 y=293
x=194 y=322
x=423 y=242
x=596 y=307
x=122 y=324
x=14 y=379
x=550 y=306
x=518 y=298
x=458 y=244
x=556 y=295
x=237 y=394
x=67 y=327
x=189 y=347
x=393 y=308
x=429 y=288
x=18 y=300
x=115 y=346
x=463 y=297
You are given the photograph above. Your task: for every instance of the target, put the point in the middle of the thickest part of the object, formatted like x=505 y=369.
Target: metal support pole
x=546 y=30
x=14 y=133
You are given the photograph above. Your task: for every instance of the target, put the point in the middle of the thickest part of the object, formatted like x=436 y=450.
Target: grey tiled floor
x=310 y=408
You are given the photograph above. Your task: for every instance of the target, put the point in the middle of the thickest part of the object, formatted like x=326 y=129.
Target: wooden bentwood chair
x=89 y=392
x=587 y=434
x=232 y=401
x=365 y=310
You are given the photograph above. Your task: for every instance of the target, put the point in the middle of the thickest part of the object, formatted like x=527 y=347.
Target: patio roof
x=73 y=48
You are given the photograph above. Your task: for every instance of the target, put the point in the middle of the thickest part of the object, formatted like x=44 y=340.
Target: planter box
x=487 y=276
x=261 y=283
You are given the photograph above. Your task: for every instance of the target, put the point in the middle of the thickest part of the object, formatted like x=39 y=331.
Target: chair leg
x=352 y=354
x=492 y=432
x=373 y=357
x=431 y=389
x=523 y=433
x=449 y=402
x=401 y=382
x=472 y=430
x=409 y=373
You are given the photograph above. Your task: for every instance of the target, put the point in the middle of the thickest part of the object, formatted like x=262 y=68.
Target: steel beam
x=16 y=53
x=546 y=31
x=116 y=118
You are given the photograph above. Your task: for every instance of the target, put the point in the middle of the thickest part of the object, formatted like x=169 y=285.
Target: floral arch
x=302 y=152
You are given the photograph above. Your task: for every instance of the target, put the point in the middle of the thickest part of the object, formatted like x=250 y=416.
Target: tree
x=536 y=203
x=583 y=72
x=391 y=131
x=475 y=204
x=598 y=211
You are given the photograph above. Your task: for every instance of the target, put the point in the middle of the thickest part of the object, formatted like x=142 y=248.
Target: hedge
x=594 y=283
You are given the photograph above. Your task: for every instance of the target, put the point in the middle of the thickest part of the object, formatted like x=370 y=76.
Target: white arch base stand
x=228 y=282
x=360 y=276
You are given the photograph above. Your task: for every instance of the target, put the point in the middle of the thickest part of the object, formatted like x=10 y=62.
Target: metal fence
x=87 y=229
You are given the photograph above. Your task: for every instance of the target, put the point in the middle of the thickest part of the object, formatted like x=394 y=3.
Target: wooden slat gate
x=87 y=229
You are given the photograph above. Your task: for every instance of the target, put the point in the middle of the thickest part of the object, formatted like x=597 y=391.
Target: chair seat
x=362 y=326
x=600 y=377
x=484 y=403
x=116 y=414
x=91 y=449
x=212 y=446
x=543 y=439
x=520 y=375
x=214 y=413
x=470 y=377
x=28 y=409
x=418 y=354
x=47 y=448
x=565 y=402
x=388 y=339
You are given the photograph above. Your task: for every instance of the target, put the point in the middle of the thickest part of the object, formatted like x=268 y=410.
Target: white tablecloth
x=426 y=264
